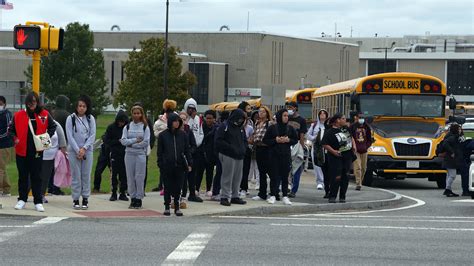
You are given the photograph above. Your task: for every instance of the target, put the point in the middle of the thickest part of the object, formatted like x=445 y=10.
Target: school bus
x=304 y=99
x=229 y=106
x=406 y=112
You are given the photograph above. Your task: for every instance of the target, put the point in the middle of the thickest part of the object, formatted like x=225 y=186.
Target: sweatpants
x=231 y=176
x=173 y=180
x=102 y=162
x=119 y=174
x=296 y=179
x=190 y=177
x=450 y=177
x=216 y=183
x=280 y=169
x=29 y=169
x=254 y=173
x=327 y=179
x=135 y=165
x=204 y=165
x=81 y=175
x=360 y=166
x=244 y=184
x=47 y=170
x=5 y=158
x=263 y=164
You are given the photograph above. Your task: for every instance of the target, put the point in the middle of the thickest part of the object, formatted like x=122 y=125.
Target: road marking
x=463 y=200
x=418 y=203
x=379 y=227
x=4 y=236
x=191 y=247
x=49 y=220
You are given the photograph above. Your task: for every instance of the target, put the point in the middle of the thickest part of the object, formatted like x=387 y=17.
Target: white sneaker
x=257 y=198
x=320 y=187
x=286 y=201
x=271 y=200
x=39 y=207
x=243 y=194
x=20 y=205
x=209 y=194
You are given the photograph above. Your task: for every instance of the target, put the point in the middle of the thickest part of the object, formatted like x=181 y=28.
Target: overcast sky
x=307 y=18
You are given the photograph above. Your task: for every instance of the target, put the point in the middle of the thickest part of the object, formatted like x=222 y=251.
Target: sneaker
x=342 y=200
x=466 y=194
x=195 y=198
x=39 y=207
x=123 y=197
x=76 y=205
x=286 y=201
x=20 y=205
x=243 y=194
x=238 y=201
x=358 y=187
x=257 y=198
x=183 y=204
x=139 y=204
x=167 y=211
x=113 y=197
x=320 y=186
x=209 y=194
x=271 y=200
x=291 y=195
x=225 y=202
x=326 y=196
x=216 y=198
x=449 y=193
x=162 y=192
x=132 y=203
x=45 y=200
x=85 y=204
x=178 y=212
x=332 y=200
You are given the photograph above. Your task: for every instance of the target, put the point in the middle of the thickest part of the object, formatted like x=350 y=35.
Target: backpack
x=73 y=120
x=318 y=151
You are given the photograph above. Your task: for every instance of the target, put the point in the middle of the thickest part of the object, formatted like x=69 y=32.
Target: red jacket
x=21 y=129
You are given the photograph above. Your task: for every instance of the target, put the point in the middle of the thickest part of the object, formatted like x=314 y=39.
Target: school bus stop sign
x=27 y=37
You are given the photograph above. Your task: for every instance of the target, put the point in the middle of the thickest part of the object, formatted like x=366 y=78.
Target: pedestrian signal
x=27 y=37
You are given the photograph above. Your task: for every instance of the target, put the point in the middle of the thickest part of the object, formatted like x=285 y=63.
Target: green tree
x=144 y=77
x=77 y=69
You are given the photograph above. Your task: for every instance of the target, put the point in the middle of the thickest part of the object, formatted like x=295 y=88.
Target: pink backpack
x=62 y=171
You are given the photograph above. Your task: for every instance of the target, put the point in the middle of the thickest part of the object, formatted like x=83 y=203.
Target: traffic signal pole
x=36 y=71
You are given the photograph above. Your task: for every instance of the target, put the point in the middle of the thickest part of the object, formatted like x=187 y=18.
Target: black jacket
x=173 y=147
x=453 y=145
x=208 y=143
x=113 y=134
x=230 y=136
x=280 y=130
x=6 y=141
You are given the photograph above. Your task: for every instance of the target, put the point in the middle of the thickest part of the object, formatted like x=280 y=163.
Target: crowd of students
x=242 y=144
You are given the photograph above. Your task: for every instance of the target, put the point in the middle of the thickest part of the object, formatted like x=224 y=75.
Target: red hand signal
x=21 y=37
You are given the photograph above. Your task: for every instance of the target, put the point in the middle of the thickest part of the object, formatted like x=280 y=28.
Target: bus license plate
x=413 y=164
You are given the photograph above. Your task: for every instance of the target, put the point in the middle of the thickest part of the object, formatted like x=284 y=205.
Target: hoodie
x=280 y=129
x=6 y=141
x=173 y=146
x=131 y=133
x=61 y=112
x=113 y=134
x=194 y=123
x=230 y=136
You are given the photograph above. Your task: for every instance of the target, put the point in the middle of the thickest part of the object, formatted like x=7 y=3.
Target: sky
x=304 y=18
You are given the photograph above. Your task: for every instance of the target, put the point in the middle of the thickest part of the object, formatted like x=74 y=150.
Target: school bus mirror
x=457 y=119
x=452 y=103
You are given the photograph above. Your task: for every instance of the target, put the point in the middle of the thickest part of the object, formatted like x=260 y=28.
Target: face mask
x=2 y=107
x=361 y=121
x=291 y=112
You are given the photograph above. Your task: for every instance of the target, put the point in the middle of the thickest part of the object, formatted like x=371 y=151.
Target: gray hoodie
x=131 y=133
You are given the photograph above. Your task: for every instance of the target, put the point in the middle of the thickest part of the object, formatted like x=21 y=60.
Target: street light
x=385 y=60
x=165 y=71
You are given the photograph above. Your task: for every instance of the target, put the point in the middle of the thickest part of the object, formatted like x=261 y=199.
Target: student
x=174 y=158
x=216 y=183
x=362 y=135
x=192 y=147
x=231 y=145
x=454 y=160
x=279 y=138
x=112 y=137
x=209 y=128
x=338 y=142
x=262 y=151
x=248 y=128
x=28 y=160
x=135 y=138
x=6 y=142
x=81 y=129
x=58 y=144
x=315 y=135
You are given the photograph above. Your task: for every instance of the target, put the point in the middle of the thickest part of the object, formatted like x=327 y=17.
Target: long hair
x=29 y=100
x=269 y=113
x=142 y=112
x=85 y=99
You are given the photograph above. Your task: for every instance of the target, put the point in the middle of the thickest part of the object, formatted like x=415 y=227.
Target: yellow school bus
x=303 y=98
x=406 y=112
x=229 y=106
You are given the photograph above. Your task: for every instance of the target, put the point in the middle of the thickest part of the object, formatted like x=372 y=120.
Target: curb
x=305 y=208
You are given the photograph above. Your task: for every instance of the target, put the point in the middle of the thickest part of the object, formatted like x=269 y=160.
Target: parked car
x=471 y=177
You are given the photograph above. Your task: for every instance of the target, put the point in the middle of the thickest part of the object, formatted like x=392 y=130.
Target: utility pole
x=165 y=71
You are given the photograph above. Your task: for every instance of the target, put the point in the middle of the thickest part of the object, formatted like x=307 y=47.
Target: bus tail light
x=374 y=85
x=430 y=86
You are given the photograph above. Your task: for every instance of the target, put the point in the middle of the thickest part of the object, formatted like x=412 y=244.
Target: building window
x=200 y=91
x=376 y=66
x=112 y=78
x=460 y=80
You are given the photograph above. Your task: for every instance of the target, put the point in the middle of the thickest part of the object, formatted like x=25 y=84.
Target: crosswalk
x=13 y=228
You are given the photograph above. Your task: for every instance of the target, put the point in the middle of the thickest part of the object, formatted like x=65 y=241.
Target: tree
x=144 y=77
x=77 y=69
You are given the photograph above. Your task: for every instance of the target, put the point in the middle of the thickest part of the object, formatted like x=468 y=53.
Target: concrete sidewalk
x=308 y=200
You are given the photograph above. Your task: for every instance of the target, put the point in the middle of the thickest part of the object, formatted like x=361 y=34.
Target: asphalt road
x=439 y=231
